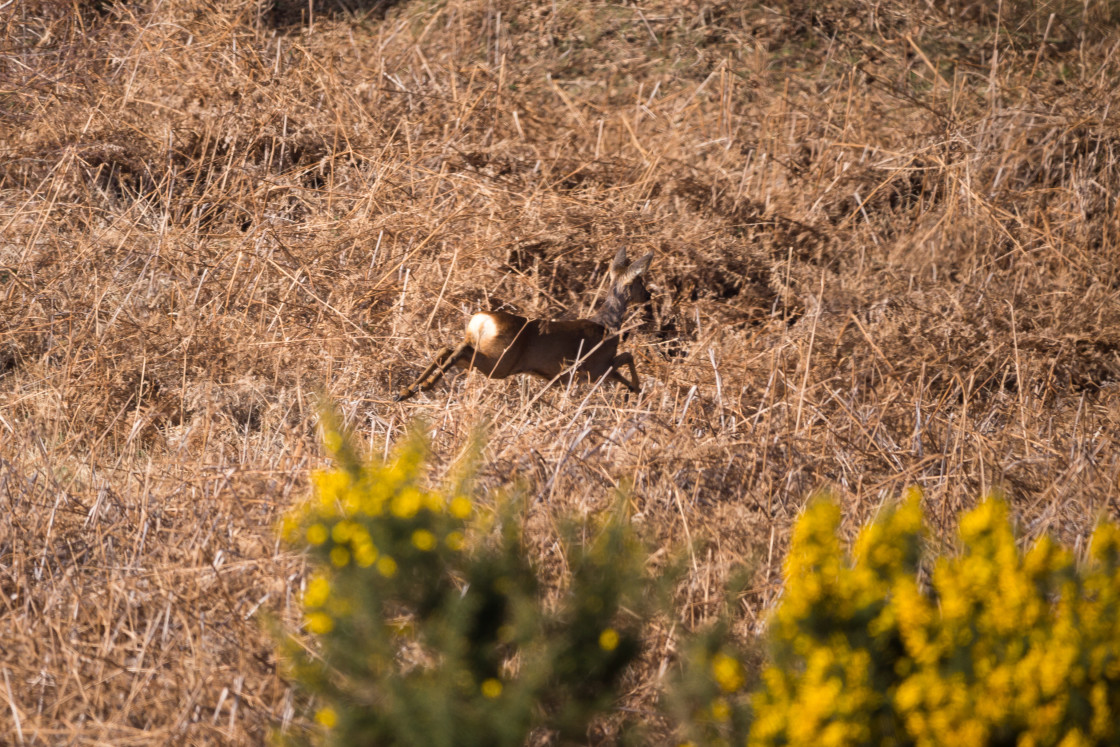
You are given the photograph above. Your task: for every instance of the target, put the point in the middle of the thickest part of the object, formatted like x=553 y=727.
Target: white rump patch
x=481 y=328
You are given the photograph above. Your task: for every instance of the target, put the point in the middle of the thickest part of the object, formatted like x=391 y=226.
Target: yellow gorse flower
x=460 y=507
x=407 y=503
x=318 y=590
x=386 y=566
x=728 y=672
x=423 y=540
x=340 y=556
x=320 y=623
x=317 y=534
x=365 y=554
x=326 y=716
x=720 y=710
x=343 y=531
x=491 y=688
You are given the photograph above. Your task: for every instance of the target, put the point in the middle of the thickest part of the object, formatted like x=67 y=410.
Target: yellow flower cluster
x=1004 y=646
x=372 y=516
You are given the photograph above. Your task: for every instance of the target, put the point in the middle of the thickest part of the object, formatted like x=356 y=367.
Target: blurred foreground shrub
x=1001 y=647
x=432 y=628
x=429 y=617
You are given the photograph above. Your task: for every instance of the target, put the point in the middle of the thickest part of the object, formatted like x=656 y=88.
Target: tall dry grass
x=887 y=252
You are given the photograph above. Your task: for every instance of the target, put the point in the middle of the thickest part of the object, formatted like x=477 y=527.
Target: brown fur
x=500 y=344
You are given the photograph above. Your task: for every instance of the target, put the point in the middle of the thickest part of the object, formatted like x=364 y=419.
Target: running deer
x=500 y=344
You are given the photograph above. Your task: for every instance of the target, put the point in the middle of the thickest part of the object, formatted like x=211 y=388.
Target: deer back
x=555 y=346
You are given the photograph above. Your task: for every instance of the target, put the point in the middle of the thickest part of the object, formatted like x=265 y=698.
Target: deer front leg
x=445 y=359
x=625 y=359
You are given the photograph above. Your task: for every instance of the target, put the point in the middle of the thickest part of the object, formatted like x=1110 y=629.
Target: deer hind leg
x=625 y=359
x=445 y=359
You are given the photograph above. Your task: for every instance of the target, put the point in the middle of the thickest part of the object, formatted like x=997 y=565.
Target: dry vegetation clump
x=887 y=247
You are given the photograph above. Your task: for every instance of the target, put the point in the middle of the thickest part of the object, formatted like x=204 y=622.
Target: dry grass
x=887 y=252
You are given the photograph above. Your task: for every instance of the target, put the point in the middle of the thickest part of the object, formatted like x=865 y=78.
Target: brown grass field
x=887 y=243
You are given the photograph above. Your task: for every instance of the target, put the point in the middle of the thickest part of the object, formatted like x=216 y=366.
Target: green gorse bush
x=429 y=618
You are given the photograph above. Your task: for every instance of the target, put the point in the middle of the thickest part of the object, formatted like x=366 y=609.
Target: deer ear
x=618 y=264
x=638 y=268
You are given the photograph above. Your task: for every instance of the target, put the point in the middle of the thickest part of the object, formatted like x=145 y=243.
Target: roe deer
x=500 y=344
